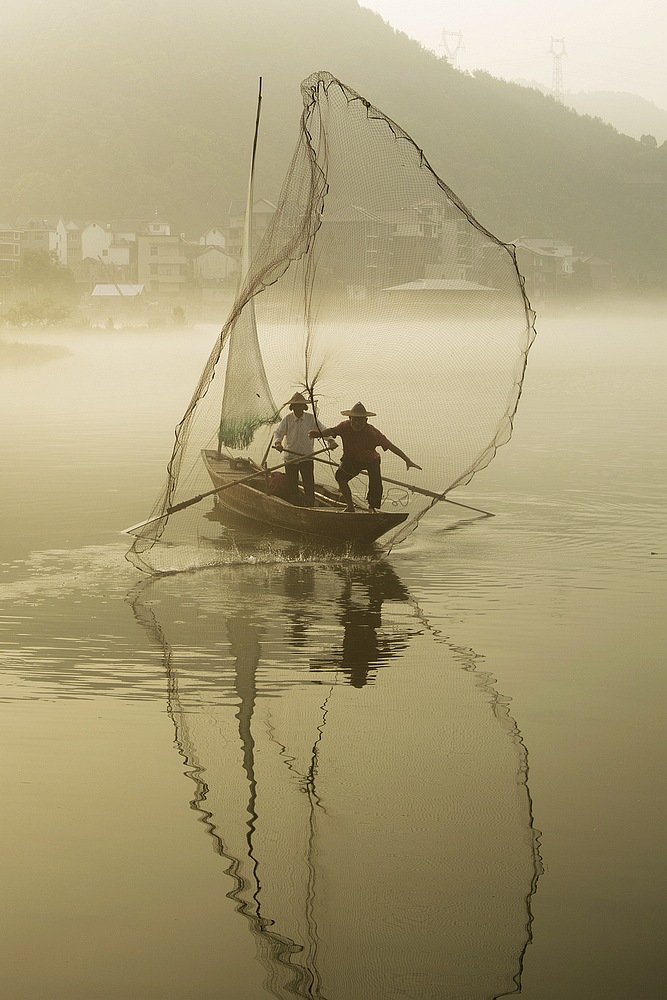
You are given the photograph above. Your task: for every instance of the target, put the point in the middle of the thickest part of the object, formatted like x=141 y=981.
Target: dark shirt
x=359 y=446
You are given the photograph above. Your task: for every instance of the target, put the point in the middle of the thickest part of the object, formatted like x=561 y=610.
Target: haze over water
x=438 y=774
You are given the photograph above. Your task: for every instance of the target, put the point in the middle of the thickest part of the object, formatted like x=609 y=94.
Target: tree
x=42 y=313
x=42 y=271
x=581 y=284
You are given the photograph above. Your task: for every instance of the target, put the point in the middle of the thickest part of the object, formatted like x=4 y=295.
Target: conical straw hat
x=298 y=398
x=358 y=410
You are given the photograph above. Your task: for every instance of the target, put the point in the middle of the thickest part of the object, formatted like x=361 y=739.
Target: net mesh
x=373 y=282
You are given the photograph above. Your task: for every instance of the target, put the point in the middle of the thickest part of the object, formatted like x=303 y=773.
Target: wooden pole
x=210 y=493
x=426 y=493
x=436 y=496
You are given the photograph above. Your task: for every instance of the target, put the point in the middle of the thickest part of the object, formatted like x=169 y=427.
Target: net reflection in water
x=364 y=785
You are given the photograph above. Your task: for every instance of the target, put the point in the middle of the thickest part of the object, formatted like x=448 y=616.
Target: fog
x=513 y=41
x=111 y=128
x=121 y=702
x=312 y=769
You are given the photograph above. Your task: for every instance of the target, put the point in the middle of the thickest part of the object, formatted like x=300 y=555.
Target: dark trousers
x=306 y=471
x=348 y=470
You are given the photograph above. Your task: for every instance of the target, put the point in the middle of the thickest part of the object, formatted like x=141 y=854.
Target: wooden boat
x=250 y=501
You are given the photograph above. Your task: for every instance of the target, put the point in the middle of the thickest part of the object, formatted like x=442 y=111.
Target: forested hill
x=110 y=109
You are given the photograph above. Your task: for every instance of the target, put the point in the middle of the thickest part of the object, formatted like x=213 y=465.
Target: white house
x=161 y=264
x=262 y=213
x=44 y=234
x=117 y=254
x=130 y=229
x=213 y=238
x=549 y=267
x=73 y=242
x=213 y=265
x=10 y=250
x=95 y=240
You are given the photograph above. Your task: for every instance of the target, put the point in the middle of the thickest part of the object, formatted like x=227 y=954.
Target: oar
x=425 y=493
x=436 y=496
x=210 y=493
x=301 y=456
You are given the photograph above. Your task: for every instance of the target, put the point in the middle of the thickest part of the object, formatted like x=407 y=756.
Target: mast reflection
x=373 y=851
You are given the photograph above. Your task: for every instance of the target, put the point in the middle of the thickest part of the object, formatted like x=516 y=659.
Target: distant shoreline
x=14 y=354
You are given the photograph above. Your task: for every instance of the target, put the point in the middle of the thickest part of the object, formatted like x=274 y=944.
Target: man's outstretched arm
x=409 y=464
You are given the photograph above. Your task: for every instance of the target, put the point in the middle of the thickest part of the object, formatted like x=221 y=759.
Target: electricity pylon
x=557 y=50
x=452 y=43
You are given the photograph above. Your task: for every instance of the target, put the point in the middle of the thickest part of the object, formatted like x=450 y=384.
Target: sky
x=609 y=44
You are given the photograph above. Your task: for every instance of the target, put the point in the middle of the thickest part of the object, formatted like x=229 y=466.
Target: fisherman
x=293 y=436
x=360 y=440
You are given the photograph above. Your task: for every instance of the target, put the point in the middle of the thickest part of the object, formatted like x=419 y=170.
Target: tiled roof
x=440 y=285
x=117 y=291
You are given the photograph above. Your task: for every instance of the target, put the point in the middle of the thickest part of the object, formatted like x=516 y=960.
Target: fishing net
x=373 y=282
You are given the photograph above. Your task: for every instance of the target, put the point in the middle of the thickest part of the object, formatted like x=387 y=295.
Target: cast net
x=372 y=283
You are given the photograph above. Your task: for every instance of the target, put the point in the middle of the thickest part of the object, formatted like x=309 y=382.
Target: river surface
x=438 y=774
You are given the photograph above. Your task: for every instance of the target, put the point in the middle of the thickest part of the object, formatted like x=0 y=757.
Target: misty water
x=437 y=774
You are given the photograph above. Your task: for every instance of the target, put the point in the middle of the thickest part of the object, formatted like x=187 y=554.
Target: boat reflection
x=376 y=825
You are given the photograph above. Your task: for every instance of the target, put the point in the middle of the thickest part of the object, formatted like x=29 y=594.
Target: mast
x=247 y=403
x=246 y=249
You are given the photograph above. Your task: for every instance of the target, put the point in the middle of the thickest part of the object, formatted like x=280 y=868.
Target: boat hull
x=254 y=506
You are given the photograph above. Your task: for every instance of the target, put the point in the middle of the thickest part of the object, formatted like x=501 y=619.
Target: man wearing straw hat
x=360 y=439
x=292 y=436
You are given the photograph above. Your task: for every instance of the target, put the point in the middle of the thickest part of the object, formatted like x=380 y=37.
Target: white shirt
x=293 y=434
